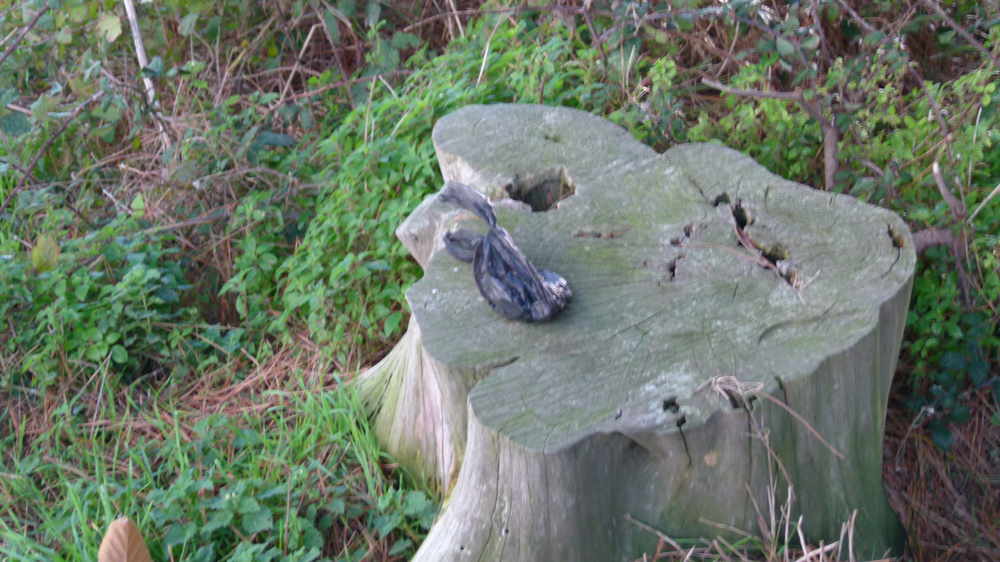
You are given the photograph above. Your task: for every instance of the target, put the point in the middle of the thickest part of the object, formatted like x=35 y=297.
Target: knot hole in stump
x=541 y=190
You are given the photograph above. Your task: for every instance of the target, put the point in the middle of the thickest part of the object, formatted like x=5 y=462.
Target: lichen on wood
x=688 y=268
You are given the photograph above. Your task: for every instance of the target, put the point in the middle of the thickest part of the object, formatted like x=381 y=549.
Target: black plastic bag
x=505 y=277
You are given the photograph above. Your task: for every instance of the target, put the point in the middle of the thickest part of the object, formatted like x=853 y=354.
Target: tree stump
x=732 y=334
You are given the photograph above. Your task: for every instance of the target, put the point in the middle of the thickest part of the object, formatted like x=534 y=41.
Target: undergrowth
x=160 y=261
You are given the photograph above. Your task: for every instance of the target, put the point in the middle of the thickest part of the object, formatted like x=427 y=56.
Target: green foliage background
x=265 y=226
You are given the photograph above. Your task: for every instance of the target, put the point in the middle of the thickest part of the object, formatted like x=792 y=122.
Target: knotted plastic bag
x=505 y=277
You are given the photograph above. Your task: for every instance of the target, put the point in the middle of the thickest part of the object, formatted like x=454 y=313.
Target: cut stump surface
x=701 y=282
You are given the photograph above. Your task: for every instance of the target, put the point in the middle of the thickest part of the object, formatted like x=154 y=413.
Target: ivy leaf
x=109 y=26
x=953 y=361
x=154 y=69
x=941 y=435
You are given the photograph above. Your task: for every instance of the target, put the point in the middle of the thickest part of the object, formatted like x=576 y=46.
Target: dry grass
x=949 y=501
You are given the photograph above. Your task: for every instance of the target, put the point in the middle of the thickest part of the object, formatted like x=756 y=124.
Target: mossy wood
x=637 y=403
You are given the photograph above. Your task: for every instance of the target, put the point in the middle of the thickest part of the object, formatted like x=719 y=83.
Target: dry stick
x=486 y=51
x=959 y=243
x=956 y=207
x=19 y=109
x=340 y=83
x=984 y=202
x=802 y=420
x=854 y=15
x=458 y=20
x=17 y=40
x=960 y=30
x=654 y=530
x=34 y=160
x=830 y=135
x=296 y=66
x=140 y=54
x=818 y=23
x=732 y=48
x=938 y=112
x=329 y=34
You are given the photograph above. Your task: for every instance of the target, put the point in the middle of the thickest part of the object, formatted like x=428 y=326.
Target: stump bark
x=732 y=335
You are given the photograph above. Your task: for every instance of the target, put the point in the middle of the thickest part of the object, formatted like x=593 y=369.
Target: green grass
x=291 y=477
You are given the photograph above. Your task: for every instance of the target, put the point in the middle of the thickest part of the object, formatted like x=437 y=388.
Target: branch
x=17 y=40
x=929 y=237
x=957 y=208
x=830 y=134
x=140 y=54
x=34 y=161
x=857 y=17
x=960 y=30
x=340 y=83
x=787 y=96
x=935 y=107
x=984 y=202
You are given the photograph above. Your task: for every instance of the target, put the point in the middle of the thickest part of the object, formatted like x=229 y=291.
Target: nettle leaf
x=404 y=40
x=109 y=26
x=268 y=138
x=257 y=521
x=387 y=523
x=218 y=520
x=248 y=505
x=178 y=534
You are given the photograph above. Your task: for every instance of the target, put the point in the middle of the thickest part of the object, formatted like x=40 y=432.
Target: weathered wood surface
x=547 y=435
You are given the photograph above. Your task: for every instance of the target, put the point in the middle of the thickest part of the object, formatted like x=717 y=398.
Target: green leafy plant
x=216 y=487
x=102 y=300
